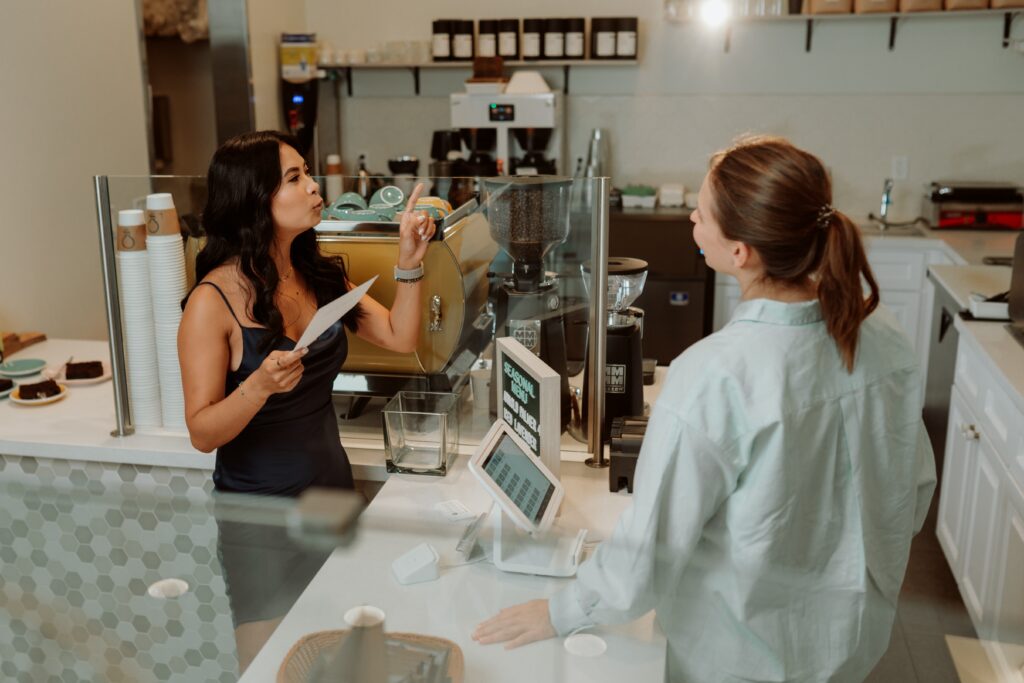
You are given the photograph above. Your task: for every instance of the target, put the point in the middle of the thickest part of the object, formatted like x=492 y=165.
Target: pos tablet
x=515 y=477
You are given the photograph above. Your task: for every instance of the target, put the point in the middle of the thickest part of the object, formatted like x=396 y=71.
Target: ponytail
x=843 y=305
x=777 y=199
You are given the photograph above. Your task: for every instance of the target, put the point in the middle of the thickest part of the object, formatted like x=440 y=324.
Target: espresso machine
x=528 y=215
x=624 y=377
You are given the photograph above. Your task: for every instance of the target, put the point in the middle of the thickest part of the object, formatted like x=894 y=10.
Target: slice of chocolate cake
x=84 y=370
x=5 y=384
x=44 y=389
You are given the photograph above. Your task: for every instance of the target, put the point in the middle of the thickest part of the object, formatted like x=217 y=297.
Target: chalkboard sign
x=528 y=398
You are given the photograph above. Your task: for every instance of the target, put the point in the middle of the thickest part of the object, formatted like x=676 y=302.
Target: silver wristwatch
x=410 y=275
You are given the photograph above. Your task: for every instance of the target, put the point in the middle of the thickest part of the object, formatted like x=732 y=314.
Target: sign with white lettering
x=528 y=394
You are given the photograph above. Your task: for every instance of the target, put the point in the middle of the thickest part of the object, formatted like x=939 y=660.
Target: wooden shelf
x=345 y=70
x=1008 y=14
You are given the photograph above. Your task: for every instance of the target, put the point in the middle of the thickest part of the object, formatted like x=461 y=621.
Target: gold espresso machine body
x=455 y=323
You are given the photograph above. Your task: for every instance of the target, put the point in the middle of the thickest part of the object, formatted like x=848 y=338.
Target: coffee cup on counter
x=131 y=230
x=161 y=216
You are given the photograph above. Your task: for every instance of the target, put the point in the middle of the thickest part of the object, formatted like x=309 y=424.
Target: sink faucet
x=883 y=211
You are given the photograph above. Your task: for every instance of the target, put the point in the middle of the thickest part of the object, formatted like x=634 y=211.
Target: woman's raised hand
x=415 y=232
x=279 y=372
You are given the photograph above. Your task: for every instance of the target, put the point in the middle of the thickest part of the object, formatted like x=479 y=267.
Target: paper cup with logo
x=131 y=230
x=161 y=216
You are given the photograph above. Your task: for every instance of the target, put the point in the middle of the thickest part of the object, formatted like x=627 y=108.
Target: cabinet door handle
x=969 y=432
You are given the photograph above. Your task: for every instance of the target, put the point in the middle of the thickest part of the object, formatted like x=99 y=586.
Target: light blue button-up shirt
x=775 y=499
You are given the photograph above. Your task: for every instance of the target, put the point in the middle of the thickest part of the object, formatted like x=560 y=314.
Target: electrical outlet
x=900 y=167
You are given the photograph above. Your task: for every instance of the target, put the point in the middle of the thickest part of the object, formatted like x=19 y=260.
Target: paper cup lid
x=161 y=200
x=131 y=217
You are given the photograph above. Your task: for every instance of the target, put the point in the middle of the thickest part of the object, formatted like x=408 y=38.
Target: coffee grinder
x=528 y=215
x=623 y=369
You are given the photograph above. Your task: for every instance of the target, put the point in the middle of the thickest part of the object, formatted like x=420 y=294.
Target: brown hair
x=777 y=199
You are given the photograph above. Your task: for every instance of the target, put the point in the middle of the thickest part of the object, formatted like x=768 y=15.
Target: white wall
x=948 y=97
x=73 y=106
x=268 y=19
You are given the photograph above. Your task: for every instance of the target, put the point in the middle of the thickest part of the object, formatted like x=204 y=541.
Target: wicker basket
x=298 y=663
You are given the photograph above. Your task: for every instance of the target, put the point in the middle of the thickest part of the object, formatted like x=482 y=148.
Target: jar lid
x=556 y=25
x=488 y=26
x=575 y=24
x=508 y=25
x=463 y=26
x=533 y=25
x=626 y=23
x=442 y=25
x=603 y=24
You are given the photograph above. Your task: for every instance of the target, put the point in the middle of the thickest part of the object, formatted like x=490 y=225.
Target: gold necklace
x=291 y=271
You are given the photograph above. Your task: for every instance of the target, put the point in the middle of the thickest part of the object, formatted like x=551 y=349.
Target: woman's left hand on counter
x=414 y=232
x=520 y=624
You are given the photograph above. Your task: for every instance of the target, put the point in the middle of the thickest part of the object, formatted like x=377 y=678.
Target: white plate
x=7 y=392
x=58 y=374
x=39 y=401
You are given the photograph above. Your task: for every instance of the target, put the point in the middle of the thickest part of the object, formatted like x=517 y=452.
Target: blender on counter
x=528 y=215
x=624 y=377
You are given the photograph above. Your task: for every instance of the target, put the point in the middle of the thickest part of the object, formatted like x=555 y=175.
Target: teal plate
x=21 y=368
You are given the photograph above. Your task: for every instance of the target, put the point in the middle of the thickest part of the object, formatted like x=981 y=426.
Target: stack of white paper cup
x=137 y=319
x=168 y=284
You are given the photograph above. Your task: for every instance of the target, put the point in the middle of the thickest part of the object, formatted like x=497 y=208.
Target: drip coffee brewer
x=534 y=143
x=624 y=377
x=528 y=215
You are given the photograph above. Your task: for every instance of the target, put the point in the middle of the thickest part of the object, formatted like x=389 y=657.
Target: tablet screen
x=518 y=477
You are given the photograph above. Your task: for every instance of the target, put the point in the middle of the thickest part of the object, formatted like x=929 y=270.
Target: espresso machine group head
x=528 y=215
x=624 y=377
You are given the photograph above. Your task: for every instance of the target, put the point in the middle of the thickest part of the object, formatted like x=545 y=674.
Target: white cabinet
x=961 y=445
x=1008 y=589
x=981 y=526
x=981 y=508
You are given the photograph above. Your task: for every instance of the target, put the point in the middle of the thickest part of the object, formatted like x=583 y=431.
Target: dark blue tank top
x=292 y=443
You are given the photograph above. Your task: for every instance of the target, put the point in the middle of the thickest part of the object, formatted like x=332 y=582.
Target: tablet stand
x=547 y=553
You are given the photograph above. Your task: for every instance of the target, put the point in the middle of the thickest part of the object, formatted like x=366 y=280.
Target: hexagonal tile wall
x=75 y=569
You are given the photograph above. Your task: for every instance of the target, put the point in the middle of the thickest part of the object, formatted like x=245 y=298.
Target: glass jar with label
x=487 y=38
x=441 y=45
x=508 y=38
x=602 y=37
x=462 y=39
x=574 y=38
x=533 y=33
x=625 y=37
x=554 y=39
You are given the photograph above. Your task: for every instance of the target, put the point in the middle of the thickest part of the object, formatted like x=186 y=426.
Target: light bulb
x=714 y=12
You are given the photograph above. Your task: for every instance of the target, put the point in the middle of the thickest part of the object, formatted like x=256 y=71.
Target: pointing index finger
x=414 y=197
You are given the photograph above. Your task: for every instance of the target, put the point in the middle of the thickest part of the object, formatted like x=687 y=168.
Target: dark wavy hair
x=244 y=175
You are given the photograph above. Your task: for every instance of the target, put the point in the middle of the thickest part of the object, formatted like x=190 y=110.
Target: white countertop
x=962 y=281
x=79 y=426
x=969 y=245
x=1004 y=353
x=401 y=517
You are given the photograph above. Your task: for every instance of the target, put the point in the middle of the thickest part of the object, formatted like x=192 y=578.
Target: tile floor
x=930 y=608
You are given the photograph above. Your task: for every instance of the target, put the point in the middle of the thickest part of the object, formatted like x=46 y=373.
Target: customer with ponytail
x=785 y=468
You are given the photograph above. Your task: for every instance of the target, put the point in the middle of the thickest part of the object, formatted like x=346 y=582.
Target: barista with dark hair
x=262 y=404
